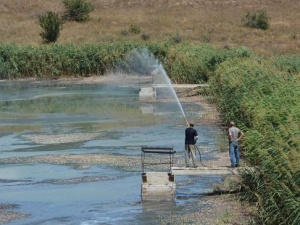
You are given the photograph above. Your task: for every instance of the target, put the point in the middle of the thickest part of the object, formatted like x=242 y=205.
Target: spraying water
x=169 y=84
x=144 y=64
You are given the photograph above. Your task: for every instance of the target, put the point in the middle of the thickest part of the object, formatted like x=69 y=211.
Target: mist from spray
x=149 y=72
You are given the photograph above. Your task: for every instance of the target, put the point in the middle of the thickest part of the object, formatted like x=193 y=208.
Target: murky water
x=55 y=119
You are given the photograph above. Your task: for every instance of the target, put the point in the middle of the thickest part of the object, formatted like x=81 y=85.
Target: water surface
x=56 y=118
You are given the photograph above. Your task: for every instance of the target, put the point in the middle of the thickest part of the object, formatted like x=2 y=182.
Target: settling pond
x=70 y=153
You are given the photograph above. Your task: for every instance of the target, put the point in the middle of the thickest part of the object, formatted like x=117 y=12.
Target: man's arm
x=241 y=134
x=196 y=136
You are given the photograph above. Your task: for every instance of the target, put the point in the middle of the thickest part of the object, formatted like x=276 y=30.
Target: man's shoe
x=237 y=165
x=195 y=166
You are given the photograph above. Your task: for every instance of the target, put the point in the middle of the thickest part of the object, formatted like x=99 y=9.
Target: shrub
x=145 y=37
x=135 y=29
x=78 y=10
x=124 y=32
x=258 y=20
x=177 y=39
x=51 y=25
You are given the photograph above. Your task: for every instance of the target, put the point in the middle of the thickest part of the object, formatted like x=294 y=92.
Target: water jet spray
x=143 y=63
x=187 y=122
x=160 y=72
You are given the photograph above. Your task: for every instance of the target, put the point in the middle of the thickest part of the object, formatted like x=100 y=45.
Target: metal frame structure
x=157 y=150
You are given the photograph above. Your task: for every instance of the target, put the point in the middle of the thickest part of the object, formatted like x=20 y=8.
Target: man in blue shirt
x=191 y=137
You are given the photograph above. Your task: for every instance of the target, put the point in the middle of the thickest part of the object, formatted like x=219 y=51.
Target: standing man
x=191 y=137
x=234 y=135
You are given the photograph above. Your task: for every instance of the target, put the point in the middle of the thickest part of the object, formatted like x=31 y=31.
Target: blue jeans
x=234 y=153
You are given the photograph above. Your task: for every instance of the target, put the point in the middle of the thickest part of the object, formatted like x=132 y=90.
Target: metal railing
x=157 y=150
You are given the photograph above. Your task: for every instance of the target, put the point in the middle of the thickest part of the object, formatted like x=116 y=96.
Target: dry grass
x=214 y=21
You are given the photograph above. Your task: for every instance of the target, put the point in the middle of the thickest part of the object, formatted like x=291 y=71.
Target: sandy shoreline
x=221 y=209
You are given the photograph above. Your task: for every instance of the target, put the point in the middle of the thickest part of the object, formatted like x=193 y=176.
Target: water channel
x=70 y=153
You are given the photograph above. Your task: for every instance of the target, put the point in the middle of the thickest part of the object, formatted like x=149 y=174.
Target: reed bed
x=184 y=63
x=262 y=96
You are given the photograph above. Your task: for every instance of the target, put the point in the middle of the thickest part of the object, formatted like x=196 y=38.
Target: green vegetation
x=78 y=10
x=51 y=25
x=183 y=62
x=258 y=20
x=177 y=38
x=145 y=36
x=264 y=100
x=56 y=60
x=135 y=29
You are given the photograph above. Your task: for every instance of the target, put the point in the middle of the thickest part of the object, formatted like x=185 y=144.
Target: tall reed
x=183 y=62
x=264 y=101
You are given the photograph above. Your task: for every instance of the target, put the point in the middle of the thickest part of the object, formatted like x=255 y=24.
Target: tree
x=51 y=25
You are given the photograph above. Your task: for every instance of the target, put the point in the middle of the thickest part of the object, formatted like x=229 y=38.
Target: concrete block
x=147 y=92
x=158 y=186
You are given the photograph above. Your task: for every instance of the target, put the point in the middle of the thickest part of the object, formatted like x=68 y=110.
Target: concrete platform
x=147 y=92
x=180 y=85
x=150 y=92
x=157 y=186
x=204 y=171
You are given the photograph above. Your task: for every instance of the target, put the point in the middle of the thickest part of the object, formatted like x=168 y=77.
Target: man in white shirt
x=234 y=136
